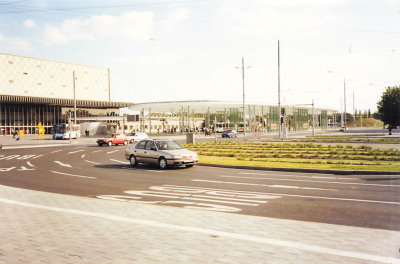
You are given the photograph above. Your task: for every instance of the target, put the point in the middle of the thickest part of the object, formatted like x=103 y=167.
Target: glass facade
x=184 y=116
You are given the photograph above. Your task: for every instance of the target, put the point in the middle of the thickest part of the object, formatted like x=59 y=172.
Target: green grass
x=311 y=156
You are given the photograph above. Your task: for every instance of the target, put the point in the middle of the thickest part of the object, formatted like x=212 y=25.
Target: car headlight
x=177 y=156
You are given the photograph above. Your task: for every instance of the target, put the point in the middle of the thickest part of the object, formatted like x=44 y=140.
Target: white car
x=135 y=137
x=164 y=153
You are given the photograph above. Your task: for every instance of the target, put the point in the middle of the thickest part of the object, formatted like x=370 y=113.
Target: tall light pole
x=344 y=101
x=279 y=94
x=244 y=108
x=74 y=78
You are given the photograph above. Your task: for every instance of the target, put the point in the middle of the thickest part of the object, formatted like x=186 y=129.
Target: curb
x=337 y=172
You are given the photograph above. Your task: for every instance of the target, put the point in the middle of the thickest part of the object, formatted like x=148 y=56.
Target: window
x=11 y=81
x=10 y=62
x=150 y=145
x=141 y=144
x=25 y=73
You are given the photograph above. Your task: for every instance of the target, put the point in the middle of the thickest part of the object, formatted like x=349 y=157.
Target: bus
x=66 y=131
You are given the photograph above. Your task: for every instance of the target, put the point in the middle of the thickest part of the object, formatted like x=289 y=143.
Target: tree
x=389 y=106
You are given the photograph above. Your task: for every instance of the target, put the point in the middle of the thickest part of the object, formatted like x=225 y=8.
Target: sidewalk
x=38 y=227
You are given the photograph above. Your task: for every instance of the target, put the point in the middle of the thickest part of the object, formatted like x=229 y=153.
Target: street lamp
x=244 y=109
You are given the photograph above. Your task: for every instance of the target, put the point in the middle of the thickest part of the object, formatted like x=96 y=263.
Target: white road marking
x=298 y=176
x=328 y=182
x=30 y=164
x=7 y=169
x=76 y=151
x=37 y=146
x=267 y=185
x=23 y=168
x=92 y=162
x=212 y=232
x=96 y=151
x=321 y=197
x=113 y=151
x=56 y=151
x=73 y=175
x=63 y=164
x=123 y=162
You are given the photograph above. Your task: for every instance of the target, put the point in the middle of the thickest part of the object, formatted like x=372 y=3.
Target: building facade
x=36 y=90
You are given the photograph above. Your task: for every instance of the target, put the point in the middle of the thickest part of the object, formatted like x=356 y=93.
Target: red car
x=113 y=139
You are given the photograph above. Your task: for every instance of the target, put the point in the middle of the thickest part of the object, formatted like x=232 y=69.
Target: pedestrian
x=16 y=136
x=390 y=129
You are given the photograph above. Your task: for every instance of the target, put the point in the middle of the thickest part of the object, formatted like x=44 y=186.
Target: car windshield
x=109 y=136
x=168 y=145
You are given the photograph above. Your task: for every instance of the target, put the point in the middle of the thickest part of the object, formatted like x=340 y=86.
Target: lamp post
x=279 y=94
x=244 y=109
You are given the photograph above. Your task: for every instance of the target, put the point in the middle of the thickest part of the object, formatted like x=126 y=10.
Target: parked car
x=230 y=133
x=113 y=139
x=135 y=137
x=164 y=153
x=1 y=145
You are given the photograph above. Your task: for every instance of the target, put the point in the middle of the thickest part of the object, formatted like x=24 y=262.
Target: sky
x=174 y=50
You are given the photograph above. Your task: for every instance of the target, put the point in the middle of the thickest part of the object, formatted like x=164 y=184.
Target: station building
x=36 y=90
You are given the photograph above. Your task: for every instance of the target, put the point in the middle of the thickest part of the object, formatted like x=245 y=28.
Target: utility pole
x=279 y=94
x=313 y=119
x=244 y=109
x=354 y=111
x=344 y=101
x=73 y=76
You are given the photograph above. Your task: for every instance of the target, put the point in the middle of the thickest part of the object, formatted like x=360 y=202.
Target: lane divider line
x=211 y=232
x=76 y=151
x=63 y=164
x=328 y=182
x=73 y=175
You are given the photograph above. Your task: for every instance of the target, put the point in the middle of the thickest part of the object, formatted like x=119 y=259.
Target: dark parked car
x=230 y=133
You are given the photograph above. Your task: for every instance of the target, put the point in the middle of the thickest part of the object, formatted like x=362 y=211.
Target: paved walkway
x=38 y=227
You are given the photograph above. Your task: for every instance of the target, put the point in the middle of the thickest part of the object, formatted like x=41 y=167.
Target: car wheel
x=133 y=160
x=110 y=143
x=189 y=166
x=162 y=163
x=131 y=141
x=100 y=145
x=125 y=142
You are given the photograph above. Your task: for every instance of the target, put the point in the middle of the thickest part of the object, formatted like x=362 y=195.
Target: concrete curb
x=337 y=172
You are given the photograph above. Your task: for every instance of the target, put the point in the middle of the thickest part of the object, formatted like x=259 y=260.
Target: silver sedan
x=164 y=153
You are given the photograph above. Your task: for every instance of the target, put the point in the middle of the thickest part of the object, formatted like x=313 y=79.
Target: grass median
x=305 y=156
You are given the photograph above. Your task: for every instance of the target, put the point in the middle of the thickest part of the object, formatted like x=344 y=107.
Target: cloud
x=132 y=26
x=29 y=23
x=175 y=17
x=260 y=17
x=15 y=44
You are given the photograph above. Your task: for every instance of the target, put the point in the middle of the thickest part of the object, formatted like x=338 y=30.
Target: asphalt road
x=104 y=173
